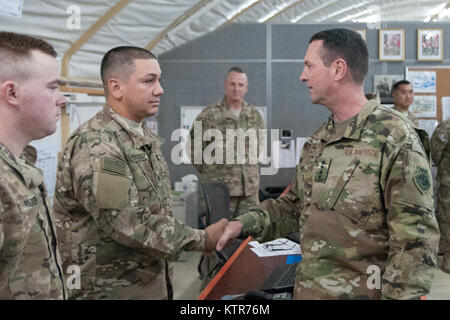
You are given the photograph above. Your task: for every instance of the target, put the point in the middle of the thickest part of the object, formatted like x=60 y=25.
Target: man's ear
x=341 y=69
x=9 y=92
x=115 y=88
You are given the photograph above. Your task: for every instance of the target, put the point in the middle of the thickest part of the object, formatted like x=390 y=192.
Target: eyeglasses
x=278 y=246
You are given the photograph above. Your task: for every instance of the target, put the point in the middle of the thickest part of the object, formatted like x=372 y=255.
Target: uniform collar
x=245 y=110
x=137 y=139
x=23 y=165
x=354 y=128
x=397 y=108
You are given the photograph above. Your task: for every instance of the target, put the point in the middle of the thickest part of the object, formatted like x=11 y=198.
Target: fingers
x=232 y=231
x=214 y=232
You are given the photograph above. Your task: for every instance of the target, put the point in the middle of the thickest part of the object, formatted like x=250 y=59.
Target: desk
x=244 y=271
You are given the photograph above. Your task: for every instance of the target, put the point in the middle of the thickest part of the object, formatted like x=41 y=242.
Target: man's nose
x=302 y=76
x=61 y=100
x=158 y=89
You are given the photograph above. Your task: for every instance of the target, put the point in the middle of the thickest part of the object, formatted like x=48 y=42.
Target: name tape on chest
x=361 y=152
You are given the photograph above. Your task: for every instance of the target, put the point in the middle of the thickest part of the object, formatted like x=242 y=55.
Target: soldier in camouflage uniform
x=403 y=94
x=362 y=194
x=30 y=265
x=113 y=193
x=440 y=153
x=232 y=113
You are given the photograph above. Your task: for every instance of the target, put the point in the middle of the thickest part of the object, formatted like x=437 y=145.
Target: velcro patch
x=31 y=201
x=421 y=179
x=114 y=165
x=136 y=157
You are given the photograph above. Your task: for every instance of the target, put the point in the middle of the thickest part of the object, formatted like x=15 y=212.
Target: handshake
x=221 y=234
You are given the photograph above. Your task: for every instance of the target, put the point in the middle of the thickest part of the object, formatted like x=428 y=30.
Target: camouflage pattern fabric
x=411 y=116
x=440 y=153
x=241 y=179
x=113 y=204
x=240 y=205
x=30 y=264
x=364 y=205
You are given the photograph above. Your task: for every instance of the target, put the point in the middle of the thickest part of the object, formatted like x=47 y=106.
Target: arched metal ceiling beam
x=386 y=8
x=343 y=11
x=89 y=33
x=177 y=22
x=325 y=5
x=436 y=16
x=284 y=10
x=239 y=13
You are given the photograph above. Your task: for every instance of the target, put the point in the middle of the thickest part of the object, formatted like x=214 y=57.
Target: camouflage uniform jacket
x=411 y=116
x=113 y=204
x=440 y=152
x=241 y=179
x=30 y=265
x=364 y=203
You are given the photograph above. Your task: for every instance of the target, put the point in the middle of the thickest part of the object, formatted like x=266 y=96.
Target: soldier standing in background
x=113 y=191
x=30 y=106
x=232 y=113
x=403 y=94
x=440 y=154
x=362 y=194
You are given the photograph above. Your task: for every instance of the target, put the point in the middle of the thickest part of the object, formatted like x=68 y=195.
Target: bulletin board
x=439 y=89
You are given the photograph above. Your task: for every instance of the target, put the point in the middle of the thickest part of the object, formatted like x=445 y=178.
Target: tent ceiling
x=161 y=25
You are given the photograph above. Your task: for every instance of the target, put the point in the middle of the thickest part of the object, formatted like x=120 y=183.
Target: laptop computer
x=282 y=279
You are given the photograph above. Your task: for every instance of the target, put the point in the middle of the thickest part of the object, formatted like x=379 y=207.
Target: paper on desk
x=283 y=247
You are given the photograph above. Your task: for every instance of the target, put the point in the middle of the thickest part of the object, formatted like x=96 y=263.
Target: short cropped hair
x=119 y=63
x=236 y=69
x=16 y=48
x=348 y=45
x=396 y=85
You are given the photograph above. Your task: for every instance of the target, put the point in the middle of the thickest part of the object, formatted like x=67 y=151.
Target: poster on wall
x=382 y=84
x=429 y=44
x=424 y=106
x=423 y=81
x=392 y=44
x=428 y=125
x=445 y=108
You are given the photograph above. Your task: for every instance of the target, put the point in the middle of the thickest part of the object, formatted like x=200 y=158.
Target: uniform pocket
x=149 y=273
x=354 y=195
x=111 y=191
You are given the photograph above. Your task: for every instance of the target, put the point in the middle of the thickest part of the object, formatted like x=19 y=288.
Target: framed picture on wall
x=382 y=84
x=430 y=44
x=362 y=32
x=392 y=44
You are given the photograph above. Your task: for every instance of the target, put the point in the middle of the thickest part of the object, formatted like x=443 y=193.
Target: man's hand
x=214 y=232
x=232 y=231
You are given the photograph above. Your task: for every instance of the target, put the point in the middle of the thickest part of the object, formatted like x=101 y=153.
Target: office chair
x=217 y=201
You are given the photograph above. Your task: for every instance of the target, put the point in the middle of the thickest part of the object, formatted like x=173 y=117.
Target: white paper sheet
x=424 y=106
x=286 y=153
x=445 y=108
x=428 y=125
x=300 y=141
x=47 y=158
x=278 y=247
x=423 y=81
